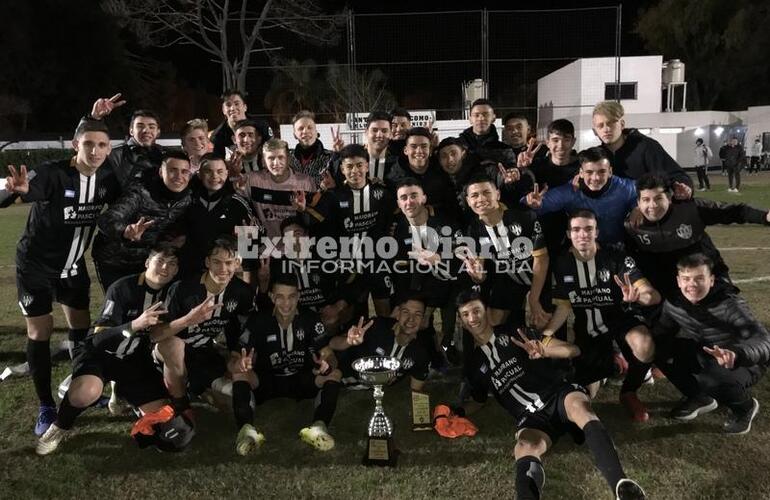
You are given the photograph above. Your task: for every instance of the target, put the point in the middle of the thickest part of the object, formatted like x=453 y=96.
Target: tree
x=295 y=86
x=723 y=44
x=230 y=32
x=356 y=91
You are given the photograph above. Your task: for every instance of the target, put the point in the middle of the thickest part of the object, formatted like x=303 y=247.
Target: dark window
x=623 y=91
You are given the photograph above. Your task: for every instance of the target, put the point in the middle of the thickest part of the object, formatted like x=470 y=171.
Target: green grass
x=672 y=460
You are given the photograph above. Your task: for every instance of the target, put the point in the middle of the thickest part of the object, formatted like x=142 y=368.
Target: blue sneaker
x=46 y=417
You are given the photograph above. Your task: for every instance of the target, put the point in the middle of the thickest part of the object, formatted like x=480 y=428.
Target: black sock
x=242 y=403
x=180 y=404
x=39 y=359
x=326 y=403
x=530 y=478
x=635 y=375
x=76 y=336
x=67 y=414
x=603 y=450
x=741 y=407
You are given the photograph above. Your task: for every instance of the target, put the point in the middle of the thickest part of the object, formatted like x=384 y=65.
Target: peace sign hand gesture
x=103 y=106
x=18 y=181
x=322 y=364
x=243 y=362
x=134 y=232
x=356 y=332
x=630 y=292
x=327 y=181
x=298 y=201
x=337 y=142
x=150 y=317
x=725 y=357
x=526 y=157
x=474 y=268
x=509 y=175
x=535 y=198
x=534 y=348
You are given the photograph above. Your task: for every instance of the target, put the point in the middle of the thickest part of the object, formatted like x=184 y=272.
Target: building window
x=622 y=91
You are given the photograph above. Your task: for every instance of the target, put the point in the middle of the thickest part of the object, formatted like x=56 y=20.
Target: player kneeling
x=544 y=404
x=279 y=357
x=119 y=349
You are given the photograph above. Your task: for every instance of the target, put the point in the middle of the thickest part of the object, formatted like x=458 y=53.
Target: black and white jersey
x=233 y=304
x=380 y=340
x=317 y=288
x=283 y=352
x=590 y=288
x=355 y=212
x=510 y=246
x=126 y=300
x=521 y=385
x=63 y=217
x=253 y=164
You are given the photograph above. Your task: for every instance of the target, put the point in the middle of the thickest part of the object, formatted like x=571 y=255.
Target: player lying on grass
x=512 y=366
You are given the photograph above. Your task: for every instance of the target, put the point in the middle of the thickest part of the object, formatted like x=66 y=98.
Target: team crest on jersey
x=231 y=305
x=604 y=275
x=684 y=231
x=538 y=229
x=319 y=328
x=503 y=340
x=299 y=334
x=101 y=192
x=629 y=262
x=515 y=229
x=407 y=363
x=275 y=358
x=377 y=194
x=315 y=278
x=70 y=213
x=26 y=299
x=347 y=223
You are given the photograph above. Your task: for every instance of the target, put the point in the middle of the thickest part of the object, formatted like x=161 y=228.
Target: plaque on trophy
x=421 y=420
x=378 y=371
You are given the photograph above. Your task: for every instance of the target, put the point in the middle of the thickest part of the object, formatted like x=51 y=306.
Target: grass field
x=671 y=460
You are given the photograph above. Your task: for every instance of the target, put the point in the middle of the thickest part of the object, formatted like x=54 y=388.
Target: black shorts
x=552 y=419
x=137 y=378
x=299 y=386
x=37 y=292
x=204 y=365
x=596 y=361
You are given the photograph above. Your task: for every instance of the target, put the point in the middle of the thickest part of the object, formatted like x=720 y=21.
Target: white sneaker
x=116 y=405
x=628 y=489
x=248 y=440
x=49 y=441
x=317 y=436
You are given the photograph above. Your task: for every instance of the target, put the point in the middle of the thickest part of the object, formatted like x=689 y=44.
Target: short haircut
x=409 y=182
x=247 y=122
x=695 y=260
x=276 y=145
x=561 y=127
x=611 y=109
x=376 y=116
x=582 y=213
x=304 y=113
x=468 y=295
x=228 y=93
x=147 y=113
x=91 y=125
x=194 y=124
x=354 y=151
x=418 y=132
x=284 y=279
x=652 y=181
x=699 y=141
x=400 y=112
x=478 y=178
x=593 y=155
x=207 y=159
x=481 y=102
x=225 y=242
x=515 y=115
x=294 y=220
x=452 y=141
x=164 y=248
x=174 y=155
x=410 y=295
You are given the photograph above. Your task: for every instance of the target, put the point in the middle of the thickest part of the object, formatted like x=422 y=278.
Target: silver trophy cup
x=378 y=371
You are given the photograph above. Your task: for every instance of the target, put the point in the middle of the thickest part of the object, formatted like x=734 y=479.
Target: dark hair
x=225 y=242
x=285 y=279
x=418 y=132
x=695 y=260
x=410 y=295
x=354 y=151
x=478 y=179
x=468 y=295
x=561 y=127
x=228 y=93
x=592 y=155
x=408 y=182
x=481 y=102
x=651 y=181
x=208 y=158
x=294 y=220
x=376 y=116
x=452 y=141
x=165 y=248
x=515 y=115
x=400 y=112
x=303 y=113
x=91 y=125
x=585 y=213
x=146 y=113
x=174 y=155
x=700 y=141
x=247 y=122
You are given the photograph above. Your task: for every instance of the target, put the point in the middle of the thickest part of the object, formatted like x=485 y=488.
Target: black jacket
x=436 y=184
x=640 y=154
x=311 y=161
x=132 y=161
x=488 y=148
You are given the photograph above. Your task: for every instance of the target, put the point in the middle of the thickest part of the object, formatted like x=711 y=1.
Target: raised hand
x=149 y=317
x=322 y=364
x=725 y=357
x=18 y=181
x=201 y=312
x=356 y=332
x=534 y=348
x=682 y=191
x=509 y=175
x=235 y=164
x=134 y=232
x=630 y=292
x=535 y=198
x=243 y=362
x=327 y=181
x=337 y=142
x=526 y=157
x=103 y=106
x=424 y=257
x=298 y=201
x=474 y=267
x=433 y=135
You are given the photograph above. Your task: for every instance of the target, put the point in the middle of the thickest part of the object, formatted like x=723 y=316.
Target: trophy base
x=380 y=452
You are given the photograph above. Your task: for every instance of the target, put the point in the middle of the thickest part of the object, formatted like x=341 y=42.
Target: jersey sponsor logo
x=272 y=338
x=231 y=305
x=69 y=193
x=629 y=262
x=516 y=229
x=684 y=231
x=604 y=274
x=569 y=279
x=70 y=213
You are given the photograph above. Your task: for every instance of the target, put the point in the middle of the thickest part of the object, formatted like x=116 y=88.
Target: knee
x=40 y=328
x=530 y=444
x=642 y=345
x=82 y=394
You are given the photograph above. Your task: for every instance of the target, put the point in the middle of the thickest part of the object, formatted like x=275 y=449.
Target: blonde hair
x=194 y=124
x=275 y=145
x=611 y=109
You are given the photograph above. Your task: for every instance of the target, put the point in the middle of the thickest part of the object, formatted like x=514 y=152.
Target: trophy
x=378 y=371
